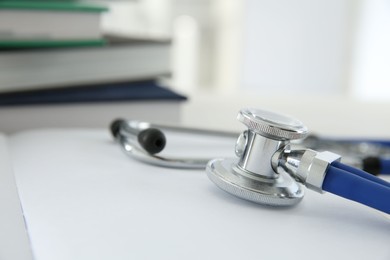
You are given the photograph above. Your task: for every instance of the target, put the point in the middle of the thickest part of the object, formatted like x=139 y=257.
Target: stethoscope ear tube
x=131 y=149
x=143 y=141
x=152 y=140
x=115 y=127
x=376 y=165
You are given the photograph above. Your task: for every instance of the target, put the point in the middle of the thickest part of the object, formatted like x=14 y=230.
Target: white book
x=82 y=198
x=96 y=115
x=43 y=68
x=32 y=20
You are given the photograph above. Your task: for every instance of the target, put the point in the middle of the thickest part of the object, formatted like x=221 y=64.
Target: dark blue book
x=133 y=91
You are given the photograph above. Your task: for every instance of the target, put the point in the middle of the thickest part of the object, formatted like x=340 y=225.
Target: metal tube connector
x=305 y=166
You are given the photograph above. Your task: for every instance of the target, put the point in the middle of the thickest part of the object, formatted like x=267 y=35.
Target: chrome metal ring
x=282 y=191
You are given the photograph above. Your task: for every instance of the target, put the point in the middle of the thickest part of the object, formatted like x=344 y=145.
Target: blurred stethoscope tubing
x=275 y=156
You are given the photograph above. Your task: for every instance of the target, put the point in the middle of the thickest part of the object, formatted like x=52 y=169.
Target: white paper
x=84 y=199
x=14 y=241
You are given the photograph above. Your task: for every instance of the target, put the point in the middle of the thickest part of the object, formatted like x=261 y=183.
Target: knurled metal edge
x=248 y=194
x=272 y=131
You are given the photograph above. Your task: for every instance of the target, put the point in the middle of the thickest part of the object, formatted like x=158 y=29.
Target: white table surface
x=84 y=199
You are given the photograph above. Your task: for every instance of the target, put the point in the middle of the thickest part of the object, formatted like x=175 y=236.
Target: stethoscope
x=272 y=160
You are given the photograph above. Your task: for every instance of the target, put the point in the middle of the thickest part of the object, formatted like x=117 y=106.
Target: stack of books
x=54 y=59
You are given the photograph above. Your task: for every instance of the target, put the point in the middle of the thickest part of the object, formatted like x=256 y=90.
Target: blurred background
x=326 y=62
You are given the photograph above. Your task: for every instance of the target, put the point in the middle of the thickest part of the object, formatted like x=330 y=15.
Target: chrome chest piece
x=252 y=176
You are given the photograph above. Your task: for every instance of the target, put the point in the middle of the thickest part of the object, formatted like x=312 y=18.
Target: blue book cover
x=134 y=91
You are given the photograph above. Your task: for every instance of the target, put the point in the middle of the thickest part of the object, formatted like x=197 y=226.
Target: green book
x=44 y=44
x=49 y=24
x=73 y=6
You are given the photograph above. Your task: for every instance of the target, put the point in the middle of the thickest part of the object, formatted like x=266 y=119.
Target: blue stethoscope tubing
x=385 y=166
x=377 y=164
x=357 y=185
x=383 y=162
